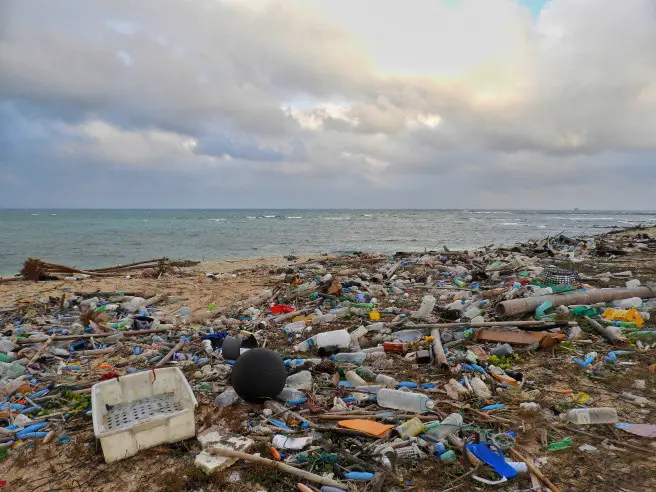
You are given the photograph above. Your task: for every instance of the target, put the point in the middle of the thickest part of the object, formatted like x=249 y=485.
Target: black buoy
x=259 y=374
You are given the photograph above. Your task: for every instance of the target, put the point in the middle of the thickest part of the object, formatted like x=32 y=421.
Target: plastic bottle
x=324 y=318
x=586 y=416
x=295 y=327
x=337 y=338
x=631 y=302
x=404 y=400
x=427 y=305
x=353 y=357
x=11 y=370
x=227 y=398
x=480 y=388
x=472 y=312
x=290 y=394
x=410 y=428
x=385 y=380
x=354 y=379
x=376 y=326
x=300 y=380
x=358 y=333
x=456 y=306
x=207 y=347
x=449 y=426
x=502 y=350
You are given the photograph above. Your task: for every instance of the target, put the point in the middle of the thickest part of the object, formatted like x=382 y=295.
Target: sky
x=538 y=104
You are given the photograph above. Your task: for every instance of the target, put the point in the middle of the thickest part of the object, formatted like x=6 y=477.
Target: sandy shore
x=80 y=466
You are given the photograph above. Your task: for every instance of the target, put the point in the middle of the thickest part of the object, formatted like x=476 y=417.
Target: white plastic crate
x=142 y=410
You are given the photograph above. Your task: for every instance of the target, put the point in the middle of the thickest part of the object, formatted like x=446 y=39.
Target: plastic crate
x=142 y=410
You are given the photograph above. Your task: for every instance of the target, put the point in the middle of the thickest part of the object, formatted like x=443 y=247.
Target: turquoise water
x=96 y=238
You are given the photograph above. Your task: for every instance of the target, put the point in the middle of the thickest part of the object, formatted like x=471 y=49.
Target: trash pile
x=438 y=370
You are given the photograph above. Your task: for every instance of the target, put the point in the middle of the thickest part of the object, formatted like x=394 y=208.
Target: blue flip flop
x=491 y=455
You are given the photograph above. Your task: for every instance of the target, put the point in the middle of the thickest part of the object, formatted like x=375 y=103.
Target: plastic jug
x=587 y=416
x=427 y=305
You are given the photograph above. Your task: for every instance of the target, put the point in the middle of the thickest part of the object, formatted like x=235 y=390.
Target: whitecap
x=295 y=217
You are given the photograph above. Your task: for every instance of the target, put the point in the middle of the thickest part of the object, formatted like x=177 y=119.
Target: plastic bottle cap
x=430 y=404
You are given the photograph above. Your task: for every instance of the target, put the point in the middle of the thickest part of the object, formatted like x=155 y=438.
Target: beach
x=80 y=465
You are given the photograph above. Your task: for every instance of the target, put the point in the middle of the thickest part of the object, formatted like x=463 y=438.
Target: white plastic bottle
x=586 y=416
x=427 y=305
x=450 y=425
x=337 y=338
x=404 y=400
x=207 y=346
x=385 y=380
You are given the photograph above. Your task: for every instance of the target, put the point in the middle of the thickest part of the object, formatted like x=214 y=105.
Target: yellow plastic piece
x=374 y=315
x=629 y=315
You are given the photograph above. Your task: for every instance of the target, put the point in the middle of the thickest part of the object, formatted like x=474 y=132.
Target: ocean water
x=97 y=238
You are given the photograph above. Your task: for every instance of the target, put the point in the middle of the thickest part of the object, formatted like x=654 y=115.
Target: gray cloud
x=278 y=97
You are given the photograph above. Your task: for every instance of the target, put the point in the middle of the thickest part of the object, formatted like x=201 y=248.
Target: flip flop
x=493 y=457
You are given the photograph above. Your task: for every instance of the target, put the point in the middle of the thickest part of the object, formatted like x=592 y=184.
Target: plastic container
x=587 y=416
x=427 y=305
x=142 y=410
x=207 y=346
x=358 y=333
x=449 y=426
x=404 y=400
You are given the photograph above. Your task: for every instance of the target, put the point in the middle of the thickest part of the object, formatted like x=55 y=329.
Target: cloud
x=420 y=102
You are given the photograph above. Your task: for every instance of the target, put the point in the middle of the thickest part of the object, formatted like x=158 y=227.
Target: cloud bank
x=328 y=103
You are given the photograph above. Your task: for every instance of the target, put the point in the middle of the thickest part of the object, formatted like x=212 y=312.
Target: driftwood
x=312 y=477
x=37 y=269
x=534 y=470
x=132 y=333
x=168 y=356
x=529 y=304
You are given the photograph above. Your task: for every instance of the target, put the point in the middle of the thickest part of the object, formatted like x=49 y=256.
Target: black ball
x=259 y=374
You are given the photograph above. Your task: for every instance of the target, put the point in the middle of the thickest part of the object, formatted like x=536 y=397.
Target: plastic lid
x=430 y=404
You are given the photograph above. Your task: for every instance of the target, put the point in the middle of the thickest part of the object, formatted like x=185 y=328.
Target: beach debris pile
x=438 y=370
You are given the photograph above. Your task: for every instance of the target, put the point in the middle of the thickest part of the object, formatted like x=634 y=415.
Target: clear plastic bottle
x=586 y=416
x=300 y=380
x=353 y=357
x=359 y=332
x=294 y=328
x=450 y=425
x=324 y=318
x=427 y=305
x=404 y=400
x=290 y=394
x=472 y=312
x=354 y=379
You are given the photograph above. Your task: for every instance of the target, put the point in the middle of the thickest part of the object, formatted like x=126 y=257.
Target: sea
x=98 y=238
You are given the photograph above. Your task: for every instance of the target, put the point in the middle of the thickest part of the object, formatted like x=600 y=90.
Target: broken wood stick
x=438 y=350
x=40 y=352
x=168 y=356
x=312 y=477
x=534 y=470
x=131 y=333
